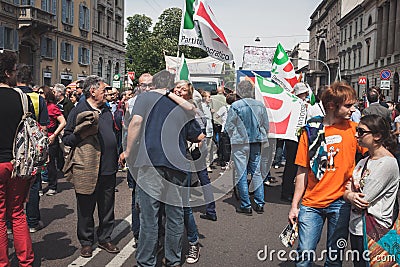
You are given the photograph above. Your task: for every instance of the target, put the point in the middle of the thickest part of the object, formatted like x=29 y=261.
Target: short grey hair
x=59 y=88
x=89 y=82
x=245 y=89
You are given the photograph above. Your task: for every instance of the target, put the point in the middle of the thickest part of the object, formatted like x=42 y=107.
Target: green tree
x=146 y=48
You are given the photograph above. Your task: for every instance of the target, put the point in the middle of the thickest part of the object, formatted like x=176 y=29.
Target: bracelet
x=167 y=92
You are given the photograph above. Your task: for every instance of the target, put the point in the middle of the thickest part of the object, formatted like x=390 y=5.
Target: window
x=28 y=2
x=67 y=52
x=355 y=28
x=350 y=31
x=84 y=18
x=361 y=24
x=344 y=61
x=345 y=35
x=100 y=22
x=47 y=47
x=348 y=60
x=116 y=70
x=68 y=12
x=49 y=6
x=369 y=21
x=108 y=74
x=368 y=51
x=108 y=26
x=354 y=58
x=359 y=57
x=100 y=68
x=84 y=56
x=8 y=38
x=116 y=30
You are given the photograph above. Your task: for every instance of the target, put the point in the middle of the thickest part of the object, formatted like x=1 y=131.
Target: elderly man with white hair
x=63 y=102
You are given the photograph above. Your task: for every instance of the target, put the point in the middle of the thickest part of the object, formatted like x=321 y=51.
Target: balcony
x=32 y=16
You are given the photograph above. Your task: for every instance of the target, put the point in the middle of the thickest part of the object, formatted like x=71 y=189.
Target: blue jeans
x=311 y=222
x=191 y=227
x=135 y=212
x=246 y=158
x=32 y=206
x=149 y=191
x=207 y=191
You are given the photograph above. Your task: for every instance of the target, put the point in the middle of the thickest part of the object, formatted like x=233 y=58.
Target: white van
x=209 y=84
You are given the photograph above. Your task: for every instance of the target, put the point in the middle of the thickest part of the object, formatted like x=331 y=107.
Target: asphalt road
x=234 y=240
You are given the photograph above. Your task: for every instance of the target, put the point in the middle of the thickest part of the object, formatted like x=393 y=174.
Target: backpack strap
x=24 y=101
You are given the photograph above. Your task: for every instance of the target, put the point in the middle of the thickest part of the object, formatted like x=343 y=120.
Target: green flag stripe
x=284 y=59
x=184 y=73
x=188 y=22
x=268 y=89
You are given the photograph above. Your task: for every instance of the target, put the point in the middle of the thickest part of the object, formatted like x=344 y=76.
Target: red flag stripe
x=202 y=12
x=292 y=81
x=289 y=67
x=280 y=127
x=272 y=103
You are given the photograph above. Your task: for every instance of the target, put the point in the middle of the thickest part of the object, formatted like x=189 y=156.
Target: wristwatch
x=167 y=92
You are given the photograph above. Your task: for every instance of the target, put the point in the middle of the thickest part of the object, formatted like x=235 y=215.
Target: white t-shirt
x=397 y=119
x=223 y=114
x=381 y=184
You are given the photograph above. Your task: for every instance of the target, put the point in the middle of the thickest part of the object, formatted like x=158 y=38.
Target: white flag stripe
x=126 y=223
x=123 y=255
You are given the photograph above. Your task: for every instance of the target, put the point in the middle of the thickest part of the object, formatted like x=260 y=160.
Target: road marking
x=123 y=255
x=81 y=261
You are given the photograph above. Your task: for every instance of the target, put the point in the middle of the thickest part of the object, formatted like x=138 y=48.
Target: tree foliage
x=146 y=47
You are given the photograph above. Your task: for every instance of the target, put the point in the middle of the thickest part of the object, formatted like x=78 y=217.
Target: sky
x=284 y=21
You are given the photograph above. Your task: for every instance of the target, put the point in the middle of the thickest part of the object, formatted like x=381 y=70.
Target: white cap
x=300 y=88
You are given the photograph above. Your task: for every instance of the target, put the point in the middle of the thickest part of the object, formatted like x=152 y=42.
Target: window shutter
x=87 y=19
x=88 y=56
x=53 y=48
x=64 y=11
x=44 y=5
x=54 y=6
x=16 y=40
x=80 y=55
x=2 y=37
x=43 y=46
x=63 y=51
x=71 y=57
x=72 y=12
x=81 y=18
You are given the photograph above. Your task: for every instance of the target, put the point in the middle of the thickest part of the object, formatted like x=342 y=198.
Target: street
x=233 y=240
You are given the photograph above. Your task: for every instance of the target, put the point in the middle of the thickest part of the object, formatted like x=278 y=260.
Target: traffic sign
x=385 y=85
x=386 y=74
x=362 y=80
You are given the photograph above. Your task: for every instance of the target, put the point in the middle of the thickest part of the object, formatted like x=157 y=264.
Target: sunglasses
x=41 y=92
x=361 y=131
x=145 y=85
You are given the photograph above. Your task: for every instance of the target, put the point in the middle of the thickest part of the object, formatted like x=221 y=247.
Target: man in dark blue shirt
x=162 y=128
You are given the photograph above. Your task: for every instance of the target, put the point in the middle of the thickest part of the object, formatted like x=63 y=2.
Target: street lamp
x=316 y=60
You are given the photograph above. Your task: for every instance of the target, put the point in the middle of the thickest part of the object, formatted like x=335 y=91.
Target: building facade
x=61 y=40
x=324 y=34
x=370 y=44
x=357 y=39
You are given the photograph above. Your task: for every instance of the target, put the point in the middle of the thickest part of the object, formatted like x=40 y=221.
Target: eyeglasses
x=41 y=92
x=361 y=131
x=145 y=85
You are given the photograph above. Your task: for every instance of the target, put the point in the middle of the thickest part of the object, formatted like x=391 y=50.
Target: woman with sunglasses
x=375 y=180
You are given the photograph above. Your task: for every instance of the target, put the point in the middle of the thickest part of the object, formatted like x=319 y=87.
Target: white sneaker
x=51 y=192
x=36 y=228
x=194 y=254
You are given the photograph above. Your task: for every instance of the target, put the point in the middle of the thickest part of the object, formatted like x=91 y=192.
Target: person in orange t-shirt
x=325 y=159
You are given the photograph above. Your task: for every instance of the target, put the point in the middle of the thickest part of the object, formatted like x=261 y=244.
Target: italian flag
x=183 y=70
x=199 y=28
x=286 y=112
x=282 y=70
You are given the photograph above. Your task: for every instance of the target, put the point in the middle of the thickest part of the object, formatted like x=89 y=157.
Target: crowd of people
x=171 y=137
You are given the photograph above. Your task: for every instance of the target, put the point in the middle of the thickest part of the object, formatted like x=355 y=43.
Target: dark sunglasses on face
x=145 y=85
x=361 y=131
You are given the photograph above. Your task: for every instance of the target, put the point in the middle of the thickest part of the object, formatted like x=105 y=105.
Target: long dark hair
x=48 y=94
x=378 y=125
